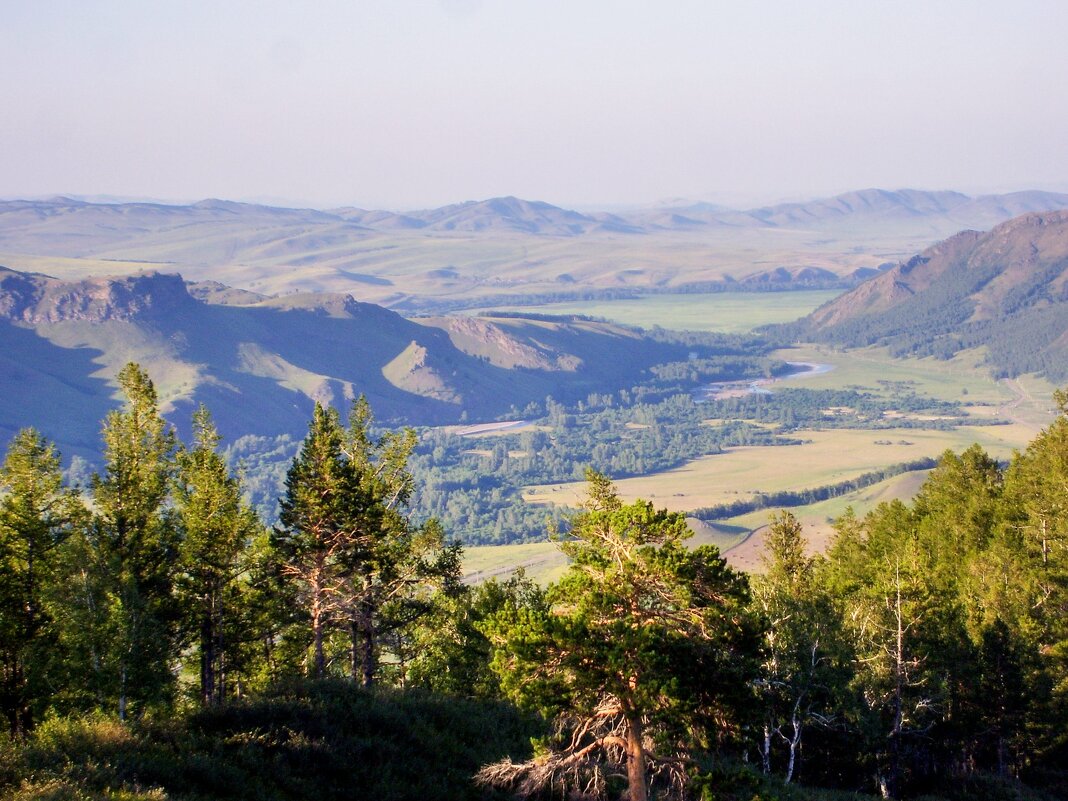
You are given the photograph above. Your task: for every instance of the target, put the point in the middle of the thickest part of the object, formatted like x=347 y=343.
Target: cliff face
x=36 y=299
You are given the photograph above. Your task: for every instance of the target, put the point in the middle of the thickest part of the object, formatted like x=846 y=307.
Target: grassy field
x=722 y=312
x=826 y=457
x=816 y=519
x=542 y=561
x=962 y=379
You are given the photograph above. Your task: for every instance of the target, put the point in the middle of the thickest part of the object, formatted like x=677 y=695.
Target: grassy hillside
x=260 y=365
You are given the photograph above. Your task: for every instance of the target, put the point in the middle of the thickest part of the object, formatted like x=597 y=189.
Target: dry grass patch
x=827 y=457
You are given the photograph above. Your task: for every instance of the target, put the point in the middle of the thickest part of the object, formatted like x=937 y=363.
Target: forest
x=474 y=485
x=159 y=640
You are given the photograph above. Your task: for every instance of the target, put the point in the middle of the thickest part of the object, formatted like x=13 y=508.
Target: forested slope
x=1005 y=290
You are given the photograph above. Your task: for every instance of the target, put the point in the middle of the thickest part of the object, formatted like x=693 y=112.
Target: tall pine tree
x=133 y=544
x=217 y=531
x=37 y=515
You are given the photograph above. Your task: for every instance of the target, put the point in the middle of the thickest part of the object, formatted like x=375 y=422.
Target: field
x=1025 y=400
x=541 y=561
x=826 y=457
x=722 y=312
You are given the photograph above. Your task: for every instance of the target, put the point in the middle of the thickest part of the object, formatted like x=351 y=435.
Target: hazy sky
x=408 y=104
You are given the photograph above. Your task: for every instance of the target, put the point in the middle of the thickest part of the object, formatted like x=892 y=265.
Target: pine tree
x=218 y=529
x=647 y=648
x=133 y=550
x=321 y=524
x=397 y=566
x=37 y=516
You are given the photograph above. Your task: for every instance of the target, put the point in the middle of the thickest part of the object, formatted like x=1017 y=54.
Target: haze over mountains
x=493 y=249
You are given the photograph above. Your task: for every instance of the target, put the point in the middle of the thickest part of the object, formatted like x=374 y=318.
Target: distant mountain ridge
x=472 y=253
x=539 y=218
x=1005 y=290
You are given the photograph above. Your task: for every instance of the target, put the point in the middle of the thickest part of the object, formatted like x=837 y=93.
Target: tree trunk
x=122 y=693
x=367 y=632
x=354 y=649
x=636 y=780
x=795 y=744
x=899 y=681
x=367 y=657
x=319 y=666
x=207 y=660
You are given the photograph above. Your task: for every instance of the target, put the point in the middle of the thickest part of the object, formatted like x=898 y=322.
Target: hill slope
x=259 y=365
x=1006 y=290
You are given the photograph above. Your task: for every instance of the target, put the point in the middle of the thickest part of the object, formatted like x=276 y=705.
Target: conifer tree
x=320 y=526
x=647 y=648
x=218 y=529
x=37 y=516
x=397 y=566
x=133 y=547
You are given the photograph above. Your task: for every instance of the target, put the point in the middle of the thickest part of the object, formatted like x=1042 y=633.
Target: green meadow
x=721 y=312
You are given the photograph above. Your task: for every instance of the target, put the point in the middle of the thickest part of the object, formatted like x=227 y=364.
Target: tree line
x=925 y=653
x=786 y=498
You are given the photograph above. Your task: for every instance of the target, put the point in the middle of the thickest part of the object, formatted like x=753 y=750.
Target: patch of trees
x=474 y=485
x=164 y=570
x=793 y=407
x=788 y=498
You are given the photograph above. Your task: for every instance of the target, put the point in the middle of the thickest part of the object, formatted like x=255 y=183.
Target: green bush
x=321 y=741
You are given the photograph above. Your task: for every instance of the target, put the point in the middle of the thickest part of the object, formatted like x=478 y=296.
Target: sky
x=410 y=104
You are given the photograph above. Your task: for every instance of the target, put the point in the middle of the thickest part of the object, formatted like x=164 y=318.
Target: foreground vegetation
x=322 y=740
x=158 y=641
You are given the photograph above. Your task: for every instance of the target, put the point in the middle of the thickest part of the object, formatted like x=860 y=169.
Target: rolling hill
x=1005 y=290
x=260 y=363
x=497 y=250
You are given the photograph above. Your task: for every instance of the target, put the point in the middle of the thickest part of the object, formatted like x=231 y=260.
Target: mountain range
x=1005 y=290
x=83 y=226
x=496 y=250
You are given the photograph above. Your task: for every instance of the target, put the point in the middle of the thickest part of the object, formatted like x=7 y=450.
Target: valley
x=526 y=342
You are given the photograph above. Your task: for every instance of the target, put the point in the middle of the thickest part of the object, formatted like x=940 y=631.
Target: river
x=718 y=390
